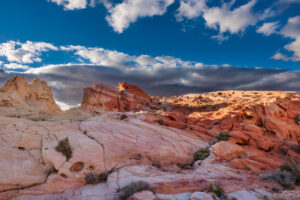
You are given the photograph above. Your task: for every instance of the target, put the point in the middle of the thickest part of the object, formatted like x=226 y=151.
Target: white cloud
x=295 y=48
x=71 y=4
x=127 y=12
x=291 y=30
x=224 y=18
x=119 y=60
x=28 y=52
x=268 y=29
x=280 y=56
x=16 y=66
x=191 y=9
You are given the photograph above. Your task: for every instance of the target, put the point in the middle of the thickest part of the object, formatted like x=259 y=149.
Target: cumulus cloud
x=225 y=18
x=28 y=52
x=71 y=4
x=127 y=12
x=100 y=56
x=115 y=59
x=122 y=14
x=291 y=30
x=268 y=28
x=280 y=56
x=191 y=9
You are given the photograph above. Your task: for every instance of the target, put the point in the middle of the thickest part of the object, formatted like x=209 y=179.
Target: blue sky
x=152 y=38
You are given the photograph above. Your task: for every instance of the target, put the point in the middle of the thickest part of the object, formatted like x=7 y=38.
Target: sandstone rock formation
x=126 y=97
x=17 y=97
x=149 y=139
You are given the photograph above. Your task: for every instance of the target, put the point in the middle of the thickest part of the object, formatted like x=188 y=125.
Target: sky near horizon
x=168 y=47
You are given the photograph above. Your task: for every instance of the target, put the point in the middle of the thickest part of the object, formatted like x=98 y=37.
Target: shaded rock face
x=126 y=97
x=36 y=96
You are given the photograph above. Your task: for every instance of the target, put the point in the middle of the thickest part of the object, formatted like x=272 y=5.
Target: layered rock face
x=149 y=145
x=262 y=123
x=36 y=96
x=125 y=98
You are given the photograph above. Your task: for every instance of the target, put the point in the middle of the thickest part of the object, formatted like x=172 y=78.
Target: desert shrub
x=161 y=122
x=65 y=148
x=217 y=190
x=286 y=167
x=293 y=168
x=274 y=189
x=223 y=136
x=122 y=117
x=133 y=188
x=93 y=178
x=283 y=178
x=201 y=154
x=295 y=148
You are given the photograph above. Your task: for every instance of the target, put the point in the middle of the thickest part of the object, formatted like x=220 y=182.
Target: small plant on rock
x=283 y=178
x=218 y=191
x=93 y=178
x=292 y=168
x=201 y=154
x=223 y=136
x=161 y=122
x=133 y=188
x=65 y=148
x=122 y=117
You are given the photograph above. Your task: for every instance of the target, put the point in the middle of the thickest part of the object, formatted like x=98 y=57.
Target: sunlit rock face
x=125 y=98
x=120 y=136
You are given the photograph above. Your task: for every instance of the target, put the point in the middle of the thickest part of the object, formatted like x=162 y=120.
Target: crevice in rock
x=100 y=144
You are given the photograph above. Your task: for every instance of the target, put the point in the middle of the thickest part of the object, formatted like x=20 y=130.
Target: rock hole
x=63 y=175
x=91 y=167
x=21 y=148
x=76 y=167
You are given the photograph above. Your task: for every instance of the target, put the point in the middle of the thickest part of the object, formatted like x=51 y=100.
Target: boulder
x=227 y=151
x=143 y=195
x=201 y=196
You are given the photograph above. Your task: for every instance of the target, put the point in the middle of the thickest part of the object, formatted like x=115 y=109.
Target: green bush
x=201 y=154
x=133 y=188
x=223 y=136
x=65 y=148
x=122 y=117
x=93 y=178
